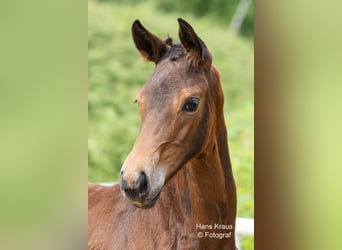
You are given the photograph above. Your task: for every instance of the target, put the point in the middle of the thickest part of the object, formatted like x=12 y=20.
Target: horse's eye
x=191 y=105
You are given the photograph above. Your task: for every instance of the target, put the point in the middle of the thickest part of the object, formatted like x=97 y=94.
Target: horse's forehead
x=171 y=78
x=168 y=73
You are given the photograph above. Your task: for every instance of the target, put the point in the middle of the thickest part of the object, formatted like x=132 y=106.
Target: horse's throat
x=201 y=186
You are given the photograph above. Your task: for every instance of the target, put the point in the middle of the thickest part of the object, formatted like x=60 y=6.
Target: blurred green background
x=116 y=72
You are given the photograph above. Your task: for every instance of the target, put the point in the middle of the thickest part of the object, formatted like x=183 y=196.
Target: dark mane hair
x=175 y=52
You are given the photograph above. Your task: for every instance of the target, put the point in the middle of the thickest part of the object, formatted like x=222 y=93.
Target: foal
x=177 y=189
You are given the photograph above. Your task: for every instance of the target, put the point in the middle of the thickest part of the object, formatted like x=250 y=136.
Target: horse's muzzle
x=138 y=190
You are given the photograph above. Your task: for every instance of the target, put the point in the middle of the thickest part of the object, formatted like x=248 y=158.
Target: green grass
x=116 y=73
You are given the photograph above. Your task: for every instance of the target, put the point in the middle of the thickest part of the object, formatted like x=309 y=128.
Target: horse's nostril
x=137 y=191
x=142 y=185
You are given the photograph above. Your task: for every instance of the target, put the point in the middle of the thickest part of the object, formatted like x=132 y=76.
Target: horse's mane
x=176 y=51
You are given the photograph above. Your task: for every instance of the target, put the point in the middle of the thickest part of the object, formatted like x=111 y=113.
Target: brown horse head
x=177 y=106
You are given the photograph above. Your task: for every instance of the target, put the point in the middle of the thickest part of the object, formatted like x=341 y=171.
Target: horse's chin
x=147 y=203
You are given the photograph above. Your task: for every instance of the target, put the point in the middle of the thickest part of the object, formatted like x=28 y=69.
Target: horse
x=177 y=189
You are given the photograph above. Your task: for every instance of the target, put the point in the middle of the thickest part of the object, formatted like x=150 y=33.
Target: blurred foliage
x=220 y=10
x=116 y=73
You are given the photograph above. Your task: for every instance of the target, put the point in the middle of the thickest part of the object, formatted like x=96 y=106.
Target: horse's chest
x=185 y=240
x=169 y=234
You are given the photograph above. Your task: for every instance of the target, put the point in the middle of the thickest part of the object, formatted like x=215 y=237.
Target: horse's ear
x=197 y=52
x=150 y=46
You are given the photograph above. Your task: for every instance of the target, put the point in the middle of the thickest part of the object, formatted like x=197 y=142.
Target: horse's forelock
x=177 y=51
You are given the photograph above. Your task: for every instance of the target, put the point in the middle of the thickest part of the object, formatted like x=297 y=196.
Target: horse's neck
x=206 y=186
